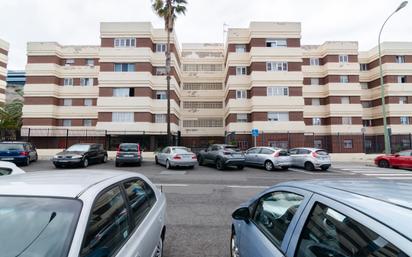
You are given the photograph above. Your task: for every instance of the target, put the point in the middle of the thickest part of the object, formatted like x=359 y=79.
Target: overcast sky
x=77 y=21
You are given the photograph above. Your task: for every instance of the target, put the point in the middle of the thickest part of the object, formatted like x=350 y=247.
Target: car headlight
x=56 y=157
x=77 y=156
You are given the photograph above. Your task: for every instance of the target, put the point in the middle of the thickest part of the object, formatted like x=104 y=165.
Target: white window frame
x=367 y=123
x=276 y=42
x=276 y=66
x=241 y=70
x=88 y=102
x=90 y=62
x=69 y=62
x=161 y=71
x=364 y=85
x=160 y=118
x=278 y=116
x=161 y=47
x=241 y=94
x=86 y=82
x=345 y=100
x=403 y=100
x=125 y=42
x=314 y=81
x=67 y=102
x=404 y=120
x=123 y=117
x=68 y=82
x=400 y=59
x=162 y=94
x=348 y=143
x=316 y=121
x=314 y=61
x=363 y=66
x=346 y=120
x=87 y=123
x=121 y=92
x=344 y=79
x=67 y=123
x=277 y=91
x=343 y=58
x=241 y=118
x=400 y=77
x=240 y=48
x=315 y=101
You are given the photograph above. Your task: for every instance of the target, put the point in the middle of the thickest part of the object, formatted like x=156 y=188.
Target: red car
x=402 y=159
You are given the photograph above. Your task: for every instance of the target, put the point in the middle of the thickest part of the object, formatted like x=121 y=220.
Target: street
x=200 y=201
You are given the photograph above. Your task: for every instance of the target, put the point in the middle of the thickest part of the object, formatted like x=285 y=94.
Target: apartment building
x=4 y=49
x=262 y=78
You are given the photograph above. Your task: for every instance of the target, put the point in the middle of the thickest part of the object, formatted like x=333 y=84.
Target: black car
x=129 y=153
x=222 y=156
x=20 y=153
x=80 y=155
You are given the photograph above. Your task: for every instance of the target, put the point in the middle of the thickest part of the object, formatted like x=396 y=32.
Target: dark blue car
x=20 y=153
x=326 y=219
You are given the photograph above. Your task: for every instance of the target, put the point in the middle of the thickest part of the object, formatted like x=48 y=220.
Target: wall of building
x=4 y=50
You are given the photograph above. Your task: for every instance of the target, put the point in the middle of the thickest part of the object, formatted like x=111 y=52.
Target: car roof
x=381 y=200
x=68 y=183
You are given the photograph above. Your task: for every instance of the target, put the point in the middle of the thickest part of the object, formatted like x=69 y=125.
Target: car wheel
x=117 y=164
x=285 y=168
x=191 y=167
x=219 y=164
x=57 y=166
x=324 y=168
x=269 y=166
x=27 y=162
x=139 y=164
x=240 y=167
x=85 y=163
x=200 y=160
x=234 y=250
x=383 y=164
x=159 y=249
x=104 y=159
x=309 y=166
x=36 y=158
x=168 y=166
x=156 y=161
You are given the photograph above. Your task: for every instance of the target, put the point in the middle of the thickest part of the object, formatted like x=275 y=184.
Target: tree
x=168 y=10
x=10 y=115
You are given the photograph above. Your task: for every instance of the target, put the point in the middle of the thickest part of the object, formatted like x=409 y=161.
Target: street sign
x=255 y=132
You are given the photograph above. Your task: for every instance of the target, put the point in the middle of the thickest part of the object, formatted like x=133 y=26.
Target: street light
x=385 y=125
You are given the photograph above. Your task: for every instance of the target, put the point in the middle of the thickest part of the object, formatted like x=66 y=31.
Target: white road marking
x=389 y=175
x=307 y=172
x=172 y=185
x=246 y=187
x=396 y=178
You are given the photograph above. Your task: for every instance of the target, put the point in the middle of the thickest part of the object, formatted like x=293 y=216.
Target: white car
x=76 y=213
x=9 y=168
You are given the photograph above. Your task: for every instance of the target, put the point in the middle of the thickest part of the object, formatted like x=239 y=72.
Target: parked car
x=402 y=159
x=9 y=168
x=268 y=157
x=310 y=158
x=80 y=155
x=325 y=218
x=129 y=153
x=176 y=156
x=20 y=153
x=222 y=156
x=92 y=213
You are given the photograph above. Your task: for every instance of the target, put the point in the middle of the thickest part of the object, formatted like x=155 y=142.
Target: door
x=251 y=155
x=294 y=156
x=93 y=153
x=408 y=161
x=264 y=155
x=211 y=155
x=272 y=221
x=161 y=155
x=401 y=159
x=301 y=157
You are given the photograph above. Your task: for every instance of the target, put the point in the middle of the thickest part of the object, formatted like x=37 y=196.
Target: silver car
x=81 y=213
x=310 y=158
x=268 y=157
x=176 y=156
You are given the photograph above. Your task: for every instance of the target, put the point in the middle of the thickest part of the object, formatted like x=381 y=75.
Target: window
x=345 y=100
x=86 y=81
x=108 y=226
x=67 y=102
x=161 y=47
x=202 y=105
x=278 y=116
x=317 y=143
x=141 y=198
x=401 y=79
x=347 y=120
x=160 y=118
x=124 y=42
x=161 y=95
x=266 y=151
x=279 y=144
x=240 y=48
x=403 y=100
x=87 y=123
x=122 y=117
x=253 y=150
x=202 y=67
x=400 y=59
x=347 y=144
x=343 y=58
x=67 y=123
x=69 y=62
x=314 y=61
x=243 y=144
x=123 y=92
x=367 y=123
x=277 y=91
x=366 y=104
x=88 y=102
x=363 y=66
x=334 y=233
x=316 y=121
x=68 y=81
x=241 y=70
x=344 y=79
x=90 y=62
x=203 y=123
x=241 y=94
x=124 y=67
x=274 y=212
x=364 y=85
x=276 y=43
x=404 y=120
x=241 y=117
x=276 y=66
x=315 y=101
x=314 y=81
x=161 y=71
x=202 y=86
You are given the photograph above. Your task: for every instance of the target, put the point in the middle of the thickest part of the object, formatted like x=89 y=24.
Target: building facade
x=4 y=50
x=263 y=77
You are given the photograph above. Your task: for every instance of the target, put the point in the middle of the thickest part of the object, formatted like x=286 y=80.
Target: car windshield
x=31 y=226
x=128 y=148
x=78 y=148
x=11 y=147
x=232 y=148
x=322 y=152
x=181 y=150
x=5 y=171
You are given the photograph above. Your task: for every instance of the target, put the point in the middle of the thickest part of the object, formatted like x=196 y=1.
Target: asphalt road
x=200 y=201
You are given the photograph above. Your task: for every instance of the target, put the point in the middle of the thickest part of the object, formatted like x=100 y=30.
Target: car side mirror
x=397 y=155
x=241 y=214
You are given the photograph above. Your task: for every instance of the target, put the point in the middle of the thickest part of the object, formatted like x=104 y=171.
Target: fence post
x=67 y=138
x=340 y=147
x=410 y=140
x=363 y=142
x=289 y=146
x=28 y=136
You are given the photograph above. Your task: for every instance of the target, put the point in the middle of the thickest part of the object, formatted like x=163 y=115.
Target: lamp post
x=385 y=125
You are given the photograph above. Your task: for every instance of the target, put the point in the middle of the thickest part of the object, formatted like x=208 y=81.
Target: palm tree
x=168 y=10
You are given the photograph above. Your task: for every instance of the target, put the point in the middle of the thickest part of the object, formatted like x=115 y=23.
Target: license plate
x=7 y=159
x=63 y=161
x=128 y=155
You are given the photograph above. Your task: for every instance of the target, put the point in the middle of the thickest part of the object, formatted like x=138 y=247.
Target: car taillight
x=24 y=153
x=177 y=157
x=315 y=155
x=118 y=151
x=194 y=157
